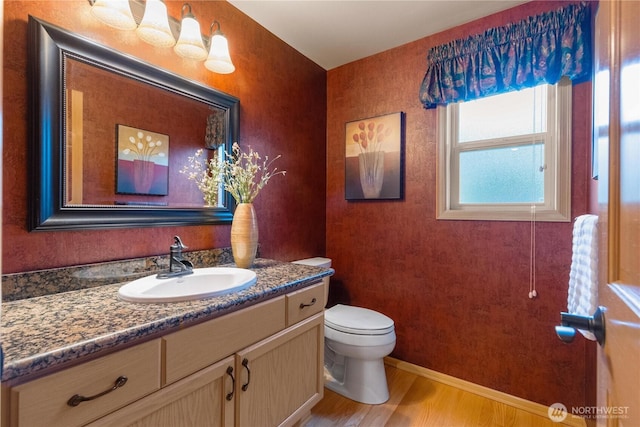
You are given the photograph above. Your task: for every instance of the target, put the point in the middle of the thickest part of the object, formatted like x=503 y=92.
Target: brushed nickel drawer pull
x=233 y=383
x=77 y=399
x=302 y=305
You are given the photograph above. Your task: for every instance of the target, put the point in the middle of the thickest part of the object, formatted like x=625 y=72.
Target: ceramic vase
x=244 y=235
x=371 y=166
x=143 y=174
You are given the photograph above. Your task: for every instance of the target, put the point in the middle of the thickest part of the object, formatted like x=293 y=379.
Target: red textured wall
x=282 y=111
x=457 y=290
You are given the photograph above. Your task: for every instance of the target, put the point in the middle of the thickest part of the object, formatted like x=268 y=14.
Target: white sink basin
x=203 y=283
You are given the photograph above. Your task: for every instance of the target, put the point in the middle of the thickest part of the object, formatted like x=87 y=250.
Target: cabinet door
x=205 y=398
x=280 y=379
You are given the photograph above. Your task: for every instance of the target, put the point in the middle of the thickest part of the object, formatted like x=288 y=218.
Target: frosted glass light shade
x=114 y=13
x=190 y=43
x=219 y=60
x=154 y=28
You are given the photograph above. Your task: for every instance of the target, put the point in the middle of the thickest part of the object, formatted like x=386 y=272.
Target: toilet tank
x=319 y=262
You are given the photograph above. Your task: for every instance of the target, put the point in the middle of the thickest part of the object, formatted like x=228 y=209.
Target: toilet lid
x=357 y=320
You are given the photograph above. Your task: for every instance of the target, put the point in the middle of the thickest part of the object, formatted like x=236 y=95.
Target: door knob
x=570 y=322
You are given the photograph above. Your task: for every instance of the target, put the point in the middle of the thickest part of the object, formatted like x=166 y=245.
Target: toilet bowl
x=356 y=341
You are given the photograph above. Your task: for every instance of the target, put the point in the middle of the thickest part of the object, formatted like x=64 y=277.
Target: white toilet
x=356 y=340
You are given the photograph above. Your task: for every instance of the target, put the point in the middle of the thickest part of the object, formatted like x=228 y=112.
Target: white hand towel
x=583 y=278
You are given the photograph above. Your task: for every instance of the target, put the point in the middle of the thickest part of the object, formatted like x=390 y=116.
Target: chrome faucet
x=178 y=266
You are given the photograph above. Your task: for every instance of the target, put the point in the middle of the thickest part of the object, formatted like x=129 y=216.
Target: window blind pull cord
x=532 y=254
x=532 y=257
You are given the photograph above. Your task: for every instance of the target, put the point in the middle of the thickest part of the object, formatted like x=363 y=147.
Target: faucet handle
x=177 y=243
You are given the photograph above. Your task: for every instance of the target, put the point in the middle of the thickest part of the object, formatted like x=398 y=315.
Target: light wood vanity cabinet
x=260 y=366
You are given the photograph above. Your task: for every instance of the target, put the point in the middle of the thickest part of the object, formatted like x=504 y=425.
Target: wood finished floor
x=418 y=401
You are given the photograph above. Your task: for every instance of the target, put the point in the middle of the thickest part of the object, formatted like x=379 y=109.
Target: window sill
x=492 y=214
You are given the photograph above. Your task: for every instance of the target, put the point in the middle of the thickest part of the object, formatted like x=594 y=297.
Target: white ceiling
x=332 y=32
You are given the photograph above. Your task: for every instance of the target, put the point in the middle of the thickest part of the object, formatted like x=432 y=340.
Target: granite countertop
x=44 y=333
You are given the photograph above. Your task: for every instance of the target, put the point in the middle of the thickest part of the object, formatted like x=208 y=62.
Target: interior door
x=617 y=85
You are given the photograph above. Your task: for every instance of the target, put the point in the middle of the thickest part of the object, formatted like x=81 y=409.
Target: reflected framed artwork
x=143 y=162
x=374 y=158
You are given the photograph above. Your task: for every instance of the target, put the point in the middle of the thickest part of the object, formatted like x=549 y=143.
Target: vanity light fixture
x=115 y=13
x=158 y=28
x=190 y=43
x=154 y=28
x=219 y=60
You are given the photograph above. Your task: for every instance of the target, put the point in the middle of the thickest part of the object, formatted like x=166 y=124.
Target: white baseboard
x=498 y=396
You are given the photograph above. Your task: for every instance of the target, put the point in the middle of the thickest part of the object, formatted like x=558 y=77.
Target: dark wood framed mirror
x=82 y=95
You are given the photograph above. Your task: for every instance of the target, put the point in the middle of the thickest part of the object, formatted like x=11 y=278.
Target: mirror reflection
x=126 y=141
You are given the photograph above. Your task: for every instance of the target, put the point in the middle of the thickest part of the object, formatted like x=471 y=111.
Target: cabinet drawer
x=45 y=400
x=304 y=303
x=196 y=347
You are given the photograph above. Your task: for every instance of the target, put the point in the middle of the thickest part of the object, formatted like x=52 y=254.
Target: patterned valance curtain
x=539 y=49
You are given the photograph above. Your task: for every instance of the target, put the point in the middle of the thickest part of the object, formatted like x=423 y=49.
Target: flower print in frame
x=143 y=162
x=373 y=158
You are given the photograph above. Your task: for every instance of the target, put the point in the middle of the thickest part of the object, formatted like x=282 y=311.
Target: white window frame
x=557 y=167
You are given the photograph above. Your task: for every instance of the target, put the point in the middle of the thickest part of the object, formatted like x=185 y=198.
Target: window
x=507 y=157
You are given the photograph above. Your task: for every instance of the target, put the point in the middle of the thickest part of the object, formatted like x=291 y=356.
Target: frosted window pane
x=499 y=116
x=502 y=175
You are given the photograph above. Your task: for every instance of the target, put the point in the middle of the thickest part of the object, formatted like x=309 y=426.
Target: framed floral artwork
x=143 y=162
x=374 y=158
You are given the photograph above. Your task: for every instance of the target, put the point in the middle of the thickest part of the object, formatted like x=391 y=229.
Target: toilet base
x=365 y=381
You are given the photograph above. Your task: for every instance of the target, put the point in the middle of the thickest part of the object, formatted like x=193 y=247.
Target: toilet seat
x=357 y=320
